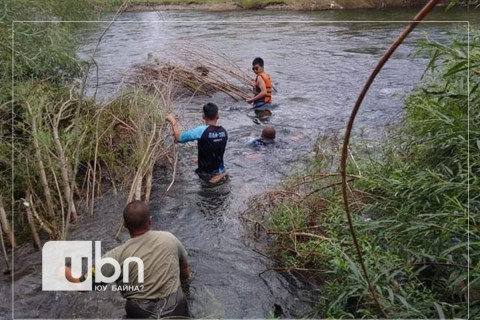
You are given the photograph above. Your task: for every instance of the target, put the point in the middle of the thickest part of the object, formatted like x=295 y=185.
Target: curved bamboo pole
x=343 y=161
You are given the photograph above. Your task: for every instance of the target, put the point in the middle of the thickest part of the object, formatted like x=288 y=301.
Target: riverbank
x=229 y=279
x=409 y=198
x=294 y=5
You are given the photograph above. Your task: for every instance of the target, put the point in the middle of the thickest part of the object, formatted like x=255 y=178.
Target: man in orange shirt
x=262 y=87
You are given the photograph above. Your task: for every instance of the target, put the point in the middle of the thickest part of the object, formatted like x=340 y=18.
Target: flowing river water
x=318 y=62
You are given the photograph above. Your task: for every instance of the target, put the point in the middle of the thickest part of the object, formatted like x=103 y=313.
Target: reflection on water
x=214 y=200
x=318 y=67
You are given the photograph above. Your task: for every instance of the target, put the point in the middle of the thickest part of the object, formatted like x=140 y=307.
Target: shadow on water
x=318 y=69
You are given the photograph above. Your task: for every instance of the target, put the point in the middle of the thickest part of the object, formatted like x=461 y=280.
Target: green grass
x=297 y=4
x=245 y=4
x=410 y=205
x=160 y=2
x=177 y=1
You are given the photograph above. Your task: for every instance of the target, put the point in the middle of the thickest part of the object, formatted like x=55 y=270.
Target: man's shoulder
x=198 y=130
x=214 y=130
x=200 y=127
x=260 y=142
x=161 y=234
x=220 y=128
x=164 y=236
x=116 y=252
x=167 y=240
x=214 y=126
x=264 y=74
x=192 y=134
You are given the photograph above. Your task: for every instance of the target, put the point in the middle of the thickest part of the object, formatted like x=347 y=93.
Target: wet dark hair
x=258 y=61
x=210 y=111
x=136 y=215
x=269 y=133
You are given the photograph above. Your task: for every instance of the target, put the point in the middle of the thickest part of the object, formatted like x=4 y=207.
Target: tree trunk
x=5 y=225
x=41 y=167
x=44 y=225
x=72 y=212
x=138 y=189
x=36 y=238
x=4 y=250
x=148 y=184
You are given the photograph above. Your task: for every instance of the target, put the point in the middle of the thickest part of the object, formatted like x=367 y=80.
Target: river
x=318 y=62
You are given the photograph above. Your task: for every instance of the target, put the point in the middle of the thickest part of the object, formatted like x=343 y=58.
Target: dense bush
x=38 y=69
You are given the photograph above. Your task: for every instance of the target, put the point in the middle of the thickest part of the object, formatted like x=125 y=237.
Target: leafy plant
x=415 y=205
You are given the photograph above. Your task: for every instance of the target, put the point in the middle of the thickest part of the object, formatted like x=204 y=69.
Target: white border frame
x=247 y=22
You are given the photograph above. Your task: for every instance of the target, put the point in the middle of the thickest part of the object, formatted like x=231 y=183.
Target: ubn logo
x=55 y=255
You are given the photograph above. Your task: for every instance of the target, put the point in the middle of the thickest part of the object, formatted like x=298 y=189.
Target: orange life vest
x=268 y=85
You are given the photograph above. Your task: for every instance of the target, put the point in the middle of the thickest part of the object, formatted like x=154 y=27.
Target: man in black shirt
x=211 y=139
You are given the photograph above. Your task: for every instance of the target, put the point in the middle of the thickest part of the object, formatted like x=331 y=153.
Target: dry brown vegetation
x=199 y=71
x=113 y=145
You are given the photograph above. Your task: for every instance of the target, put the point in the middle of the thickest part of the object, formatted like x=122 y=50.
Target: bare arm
x=184 y=270
x=176 y=130
x=263 y=90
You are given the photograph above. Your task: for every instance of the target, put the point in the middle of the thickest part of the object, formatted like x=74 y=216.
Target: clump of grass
x=411 y=206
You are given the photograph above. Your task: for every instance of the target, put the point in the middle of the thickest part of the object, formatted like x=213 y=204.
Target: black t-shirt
x=212 y=141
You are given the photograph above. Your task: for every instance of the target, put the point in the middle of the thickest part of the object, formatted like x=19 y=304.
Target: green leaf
x=406 y=304
x=439 y=309
x=390 y=295
x=462 y=66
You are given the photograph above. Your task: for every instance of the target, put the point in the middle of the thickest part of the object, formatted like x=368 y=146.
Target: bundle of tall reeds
x=201 y=71
x=69 y=151
x=136 y=135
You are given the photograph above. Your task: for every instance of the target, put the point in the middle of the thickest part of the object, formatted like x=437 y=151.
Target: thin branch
x=343 y=161
x=300 y=234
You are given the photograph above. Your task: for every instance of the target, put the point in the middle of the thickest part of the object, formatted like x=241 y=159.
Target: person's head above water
x=268 y=133
x=136 y=217
x=210 y=112
x=257 y=65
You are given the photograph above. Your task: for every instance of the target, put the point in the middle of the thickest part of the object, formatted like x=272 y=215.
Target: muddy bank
x=295 y=5
x=183 y=6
